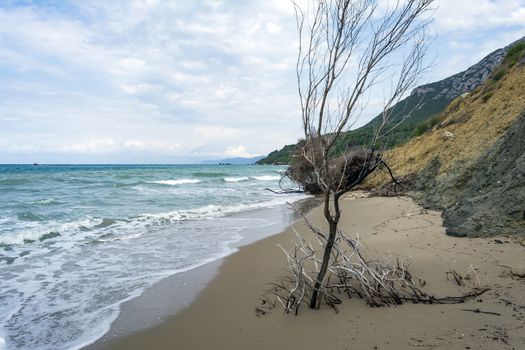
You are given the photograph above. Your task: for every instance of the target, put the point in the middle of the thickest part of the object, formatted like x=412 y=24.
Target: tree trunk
x=327 y=252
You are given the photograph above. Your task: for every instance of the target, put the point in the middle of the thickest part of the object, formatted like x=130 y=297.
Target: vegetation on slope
x=419 y=111
x=419 y=107
x=465 y=156
x=282 y=156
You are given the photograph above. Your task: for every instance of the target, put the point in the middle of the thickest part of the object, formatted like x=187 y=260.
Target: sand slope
x=223 y=317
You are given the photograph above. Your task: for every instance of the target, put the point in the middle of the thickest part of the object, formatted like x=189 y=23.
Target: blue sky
x=180 y=81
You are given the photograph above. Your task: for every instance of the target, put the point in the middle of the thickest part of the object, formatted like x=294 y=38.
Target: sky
x=150 y=81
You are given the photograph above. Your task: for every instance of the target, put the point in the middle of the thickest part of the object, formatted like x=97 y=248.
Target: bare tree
x=348 y=51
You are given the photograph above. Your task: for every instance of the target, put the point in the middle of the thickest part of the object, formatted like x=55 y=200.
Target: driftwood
x=478 y=311
x=456 y=276
x=460 y=279
x=380 y=282
x=284 y=191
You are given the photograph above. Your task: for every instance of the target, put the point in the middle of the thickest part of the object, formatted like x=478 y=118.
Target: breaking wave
x=267 y=178
x=236 y=179
x=176 y=182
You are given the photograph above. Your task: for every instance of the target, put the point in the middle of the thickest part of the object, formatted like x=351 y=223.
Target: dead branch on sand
x=380 y=282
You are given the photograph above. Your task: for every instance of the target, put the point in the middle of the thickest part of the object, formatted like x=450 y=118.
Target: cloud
x=99 y=146
x=146 y=70
x=468 y=31
x=239 y=151
x=458 y=15
x=193 y=77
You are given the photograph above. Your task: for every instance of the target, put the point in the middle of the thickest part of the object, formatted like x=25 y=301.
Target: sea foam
x=44 y=201
x=267 y=178
x=85 y=239
x=236 y=179
x=176 y=182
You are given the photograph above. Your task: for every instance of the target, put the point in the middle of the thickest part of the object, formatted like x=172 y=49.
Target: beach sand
x=223 y=315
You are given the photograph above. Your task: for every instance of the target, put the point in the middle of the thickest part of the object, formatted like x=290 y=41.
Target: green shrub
x=420 y=129
x=487 y=96
x=435 y=121
x=514 y=54
x=499 y=73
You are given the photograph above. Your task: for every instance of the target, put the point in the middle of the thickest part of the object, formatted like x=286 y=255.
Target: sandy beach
x=223 y=315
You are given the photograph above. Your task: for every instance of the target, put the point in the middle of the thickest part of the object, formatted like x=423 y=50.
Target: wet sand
x=223 y=314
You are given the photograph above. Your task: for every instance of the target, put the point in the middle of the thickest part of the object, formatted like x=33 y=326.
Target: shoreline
x=223 y=314
x=171 y=294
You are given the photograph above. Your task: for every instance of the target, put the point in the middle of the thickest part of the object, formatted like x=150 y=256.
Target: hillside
x=281 y=156
x=472 y=163
x=423 y=104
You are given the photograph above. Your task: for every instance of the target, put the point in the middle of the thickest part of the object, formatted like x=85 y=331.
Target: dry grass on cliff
x=469 y=126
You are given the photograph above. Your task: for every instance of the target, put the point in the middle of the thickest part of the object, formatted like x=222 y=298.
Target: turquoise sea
x=76 y=241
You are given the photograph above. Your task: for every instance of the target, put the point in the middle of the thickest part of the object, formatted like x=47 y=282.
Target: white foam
x=236 y=179
x=33 y=231
x=66 y=271
x=267 y=178
x=44 y=201
x=176 y=182
x=210 y=211
x=65 y=292
x=134 y=227
x=3 y=220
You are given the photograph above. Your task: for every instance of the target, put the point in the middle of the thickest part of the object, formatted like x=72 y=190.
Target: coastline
x=171 y=294
x=223 y=314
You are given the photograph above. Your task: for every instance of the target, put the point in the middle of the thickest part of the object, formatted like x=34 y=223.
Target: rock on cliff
x=491 y=199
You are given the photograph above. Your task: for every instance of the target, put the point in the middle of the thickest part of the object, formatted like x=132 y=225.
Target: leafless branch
x=348 y=49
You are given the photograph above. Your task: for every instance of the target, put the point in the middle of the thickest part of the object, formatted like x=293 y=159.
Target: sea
x=77 y=241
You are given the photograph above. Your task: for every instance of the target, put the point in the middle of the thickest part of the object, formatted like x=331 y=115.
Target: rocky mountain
x=471 y=164
x=463 y=82
x=424 y=103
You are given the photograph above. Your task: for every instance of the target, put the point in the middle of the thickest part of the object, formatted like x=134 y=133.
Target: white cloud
x=239 y=151
x=125 y=70
x=467 y=31
x=94 y=147
x=193 y=77
x=457 y=15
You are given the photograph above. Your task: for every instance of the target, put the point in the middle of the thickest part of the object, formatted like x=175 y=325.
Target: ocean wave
x=136 y=226
x=106 y=222
x=176 y=182
x=27 y=232
x=236 y=179
x=44 y=201
x=267 y=178
x=29 y=216
x=68 y=269
x=30 y=232
x=210 y=211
